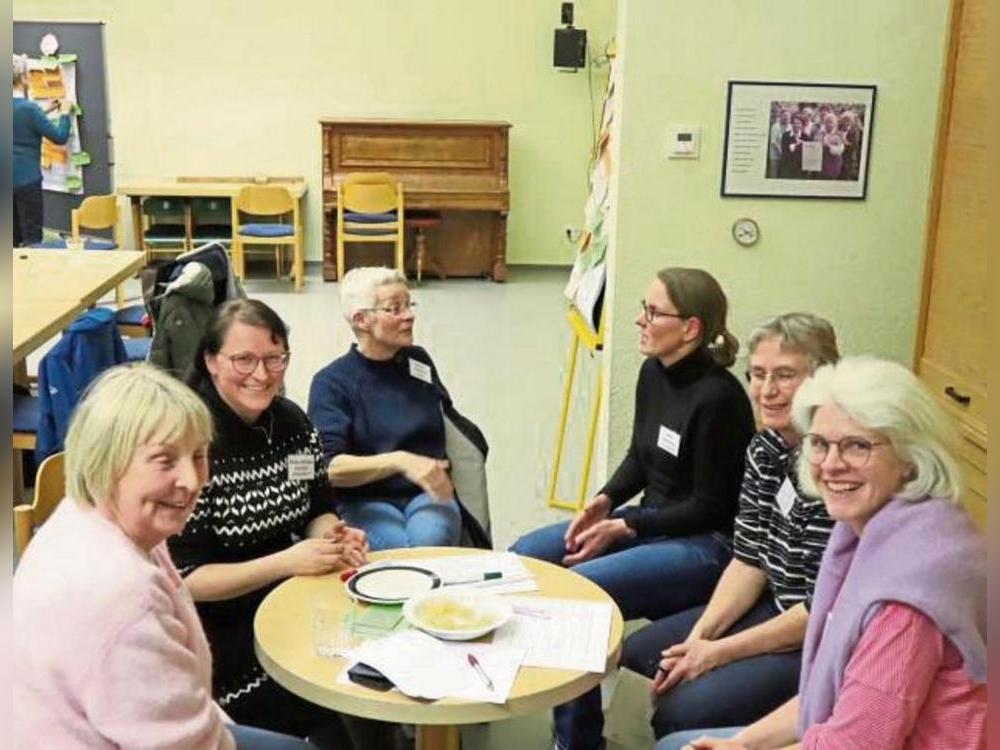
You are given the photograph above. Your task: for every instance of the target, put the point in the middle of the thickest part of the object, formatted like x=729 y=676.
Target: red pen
x=482 y=672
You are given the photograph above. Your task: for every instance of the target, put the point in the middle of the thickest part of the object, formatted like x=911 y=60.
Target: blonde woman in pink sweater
x=108 y=649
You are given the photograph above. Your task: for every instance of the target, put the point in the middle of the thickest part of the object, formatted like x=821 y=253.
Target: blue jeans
x=646 y=578
x=252 y=738
x=418 y=522
x=678 y=740
x=736 y=693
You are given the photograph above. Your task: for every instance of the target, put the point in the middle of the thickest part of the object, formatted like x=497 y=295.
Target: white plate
x=391 y=584
x=460 y=615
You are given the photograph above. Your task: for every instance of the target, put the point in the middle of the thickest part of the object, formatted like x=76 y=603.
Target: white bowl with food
x=457 y=615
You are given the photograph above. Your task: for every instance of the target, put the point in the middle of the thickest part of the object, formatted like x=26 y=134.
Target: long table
x=207 y=187
x=52 y=287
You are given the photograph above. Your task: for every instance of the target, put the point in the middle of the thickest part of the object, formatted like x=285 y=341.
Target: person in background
x=833 y=147
x=738 y=658
x=692 y=426
x=266 y=514
x=895 y=649
x=790 y=167
x=780 y=126
x=31 y=124
x=851 y=131
x=108 y=649
x=378 y=412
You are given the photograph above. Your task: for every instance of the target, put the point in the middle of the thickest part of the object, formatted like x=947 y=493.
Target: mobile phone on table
x=369 y=677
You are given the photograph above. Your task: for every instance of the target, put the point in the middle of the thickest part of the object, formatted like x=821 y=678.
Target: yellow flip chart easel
x=594 y=342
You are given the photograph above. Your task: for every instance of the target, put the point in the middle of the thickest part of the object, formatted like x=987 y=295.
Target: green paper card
x=67 y=58
x=80 y=159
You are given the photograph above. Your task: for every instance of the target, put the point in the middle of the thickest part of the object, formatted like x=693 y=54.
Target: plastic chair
x=369 y=209
x=210 y=221
x=274 y=220
x=165 y=226
x=50 y=488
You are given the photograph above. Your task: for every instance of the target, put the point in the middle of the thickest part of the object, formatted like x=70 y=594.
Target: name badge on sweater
x=669 y=441
x=420 y=370
x=301 y=466
x=786 y=497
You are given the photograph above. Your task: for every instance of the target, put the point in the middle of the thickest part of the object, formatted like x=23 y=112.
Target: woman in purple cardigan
x=895 y=650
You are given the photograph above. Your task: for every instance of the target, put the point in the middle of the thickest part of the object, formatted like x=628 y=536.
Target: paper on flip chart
x=464 y=572
x=421 y=666
x=558 y=633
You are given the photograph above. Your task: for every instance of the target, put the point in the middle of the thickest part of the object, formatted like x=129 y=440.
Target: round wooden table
x=284 y=643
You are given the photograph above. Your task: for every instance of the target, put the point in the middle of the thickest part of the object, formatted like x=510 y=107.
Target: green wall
x=856 y=262
x=224 y=87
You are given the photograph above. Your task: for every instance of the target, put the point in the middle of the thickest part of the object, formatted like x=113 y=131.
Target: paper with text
x=558 y=633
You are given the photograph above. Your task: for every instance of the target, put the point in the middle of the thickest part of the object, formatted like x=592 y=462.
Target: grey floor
x=501 y=350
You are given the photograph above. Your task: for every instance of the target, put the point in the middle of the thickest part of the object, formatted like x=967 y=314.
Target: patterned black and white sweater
x=248 y=509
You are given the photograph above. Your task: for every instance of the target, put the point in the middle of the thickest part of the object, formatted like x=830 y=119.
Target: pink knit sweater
x=108 y=648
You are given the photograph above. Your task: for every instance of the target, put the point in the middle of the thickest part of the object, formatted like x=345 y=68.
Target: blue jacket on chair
x=89 y=346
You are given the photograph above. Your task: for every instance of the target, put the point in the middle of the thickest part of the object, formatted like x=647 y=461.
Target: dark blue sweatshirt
x=365 y=407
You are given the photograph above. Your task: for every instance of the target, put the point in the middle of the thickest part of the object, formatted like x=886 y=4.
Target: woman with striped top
x=737 y=658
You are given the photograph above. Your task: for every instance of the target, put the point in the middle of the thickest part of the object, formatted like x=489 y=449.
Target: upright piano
x=458 y=168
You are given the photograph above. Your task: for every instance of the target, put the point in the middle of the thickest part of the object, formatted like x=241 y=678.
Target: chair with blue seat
x=267 y=215
x=369 y=210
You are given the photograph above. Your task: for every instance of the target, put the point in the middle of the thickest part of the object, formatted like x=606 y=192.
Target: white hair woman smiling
x=887 y=398
x=895 y=649
x=137 y=670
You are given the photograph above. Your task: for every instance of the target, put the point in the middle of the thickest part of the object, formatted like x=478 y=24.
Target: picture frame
x=797 y=140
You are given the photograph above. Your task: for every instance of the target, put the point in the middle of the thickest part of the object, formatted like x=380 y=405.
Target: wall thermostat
x=683 y=142
x=745 y=231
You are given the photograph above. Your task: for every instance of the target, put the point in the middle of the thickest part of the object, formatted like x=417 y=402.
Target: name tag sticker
x=301 y=466
x=420 y=370
x=669 y=441
x=786 y=497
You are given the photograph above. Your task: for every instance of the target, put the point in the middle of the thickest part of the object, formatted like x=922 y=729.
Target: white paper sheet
x=558 y=633
x=464 y=572
x=421 y=666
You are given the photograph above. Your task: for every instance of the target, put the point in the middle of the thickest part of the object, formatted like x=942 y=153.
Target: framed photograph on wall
x=797 y=140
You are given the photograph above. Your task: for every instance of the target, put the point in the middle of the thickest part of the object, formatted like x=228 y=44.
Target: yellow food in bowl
x=441 y=613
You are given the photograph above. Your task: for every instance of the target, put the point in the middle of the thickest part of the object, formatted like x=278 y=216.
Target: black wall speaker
x=570 y=48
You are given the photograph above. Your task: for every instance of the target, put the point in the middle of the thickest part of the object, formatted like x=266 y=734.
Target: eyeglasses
x=853 y=451
x=396 y=310
x=650 y=313
x=784 y=377
x=246 y=363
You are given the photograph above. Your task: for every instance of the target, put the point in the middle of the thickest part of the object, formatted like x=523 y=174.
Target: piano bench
x=420 y=221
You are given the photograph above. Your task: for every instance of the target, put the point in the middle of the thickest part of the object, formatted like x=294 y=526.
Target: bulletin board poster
x=52 y=79
x=585 y=288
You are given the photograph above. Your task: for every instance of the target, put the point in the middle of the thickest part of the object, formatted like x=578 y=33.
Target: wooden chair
x=274 y=220
x=50 y=487
x=101 y=212
x=369 y=209
x=24 y=416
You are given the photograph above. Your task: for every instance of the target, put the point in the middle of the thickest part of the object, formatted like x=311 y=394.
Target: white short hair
x=357 y=288
x=886 y=397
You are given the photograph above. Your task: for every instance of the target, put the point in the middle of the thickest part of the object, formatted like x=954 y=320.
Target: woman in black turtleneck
x=692 y=425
